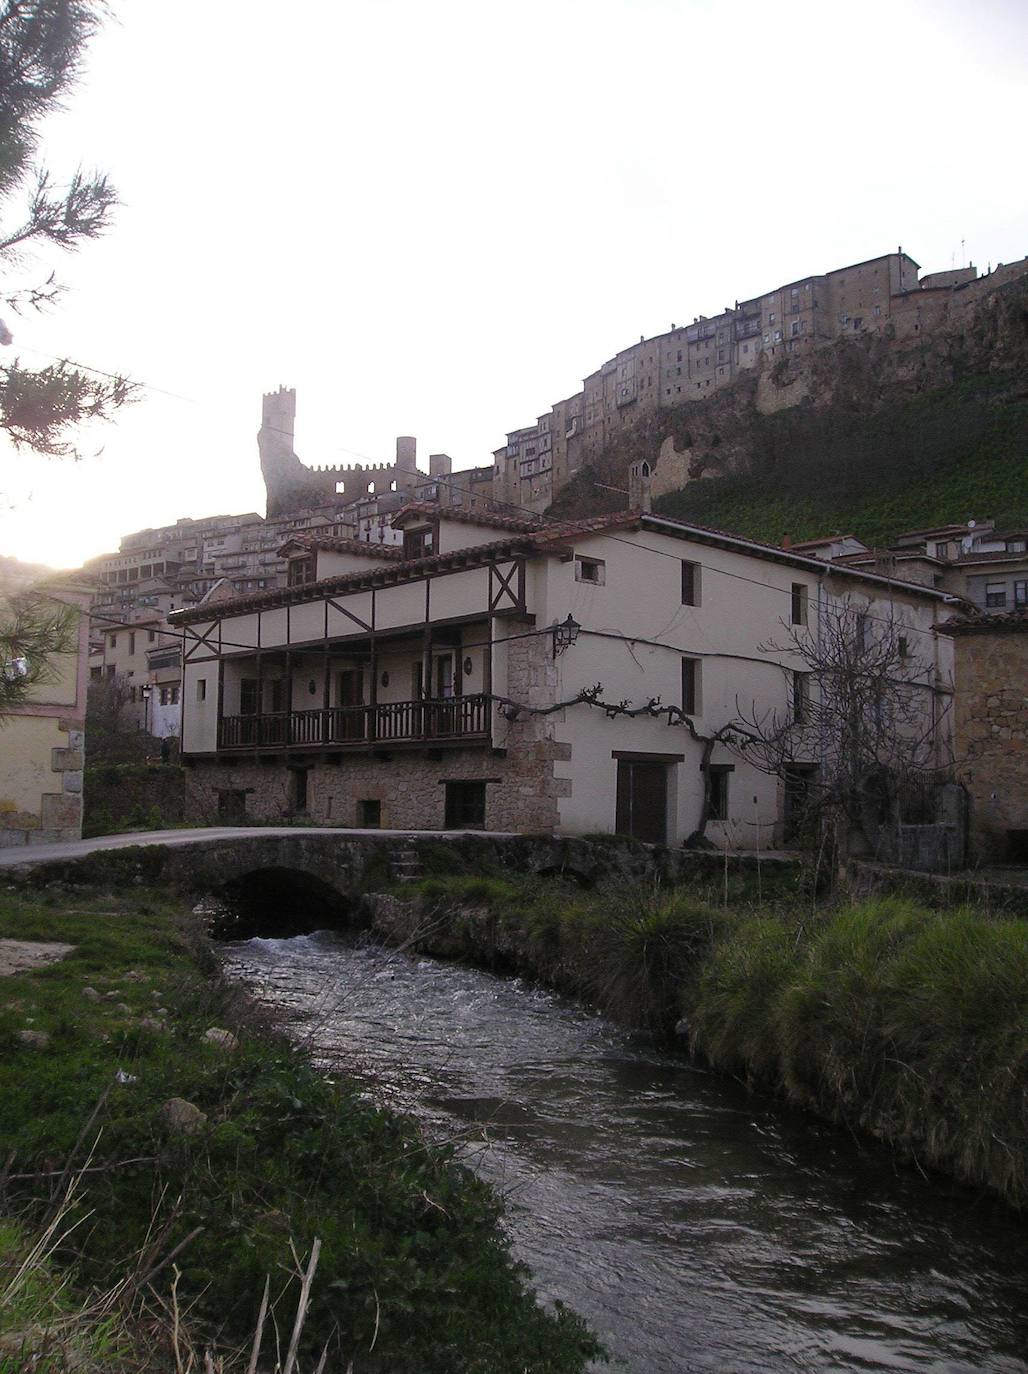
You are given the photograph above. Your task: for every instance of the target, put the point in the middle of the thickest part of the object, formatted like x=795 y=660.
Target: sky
x=436 y=218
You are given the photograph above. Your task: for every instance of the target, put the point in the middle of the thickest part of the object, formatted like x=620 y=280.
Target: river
x=697 y=1228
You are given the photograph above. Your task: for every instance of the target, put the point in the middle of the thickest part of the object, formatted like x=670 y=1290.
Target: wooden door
x=642 y=800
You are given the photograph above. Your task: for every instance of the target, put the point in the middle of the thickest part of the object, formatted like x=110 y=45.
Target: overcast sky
x=434 y=218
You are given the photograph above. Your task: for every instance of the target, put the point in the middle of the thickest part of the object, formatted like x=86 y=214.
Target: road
x=23 y=855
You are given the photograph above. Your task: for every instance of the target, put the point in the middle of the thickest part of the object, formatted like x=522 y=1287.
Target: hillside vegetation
x=941 y=457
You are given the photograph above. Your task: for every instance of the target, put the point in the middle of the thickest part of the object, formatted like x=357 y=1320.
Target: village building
x=501 y=672
x=991 y=729
x=43 y=739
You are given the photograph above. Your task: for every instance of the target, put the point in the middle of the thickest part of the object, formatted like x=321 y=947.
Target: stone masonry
x=991 y=732
x=60 y=810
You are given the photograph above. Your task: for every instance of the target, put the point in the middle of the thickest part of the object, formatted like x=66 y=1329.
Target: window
x=860 y=632
x=592 y=570
x=369 y=814
x=995 y=594
x=201 y=689
x=132 y=642
x=465 y=805
x=691 y=686
x=1015 y=546
x=301 y=571
x=857 y=322
x=418 y=543
x=95 y=673
x=800 y=697
x=903 y=646
x=110 y=670
x=151 y=636
x=299 y=788
x=799 y=604
x=113 y=641
x=1021 y=593
x=690 y=584
x=718 y=774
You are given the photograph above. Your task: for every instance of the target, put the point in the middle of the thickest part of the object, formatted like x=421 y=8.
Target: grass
x=908 y=1023
x=939 y=458
x=414 y=1272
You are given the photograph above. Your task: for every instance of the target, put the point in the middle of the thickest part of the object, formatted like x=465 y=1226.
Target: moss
x=412 y=1242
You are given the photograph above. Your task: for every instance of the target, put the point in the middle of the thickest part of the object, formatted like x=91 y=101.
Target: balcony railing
x=358 y=726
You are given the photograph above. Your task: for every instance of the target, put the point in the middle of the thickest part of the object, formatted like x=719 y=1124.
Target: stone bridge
x=341 y=865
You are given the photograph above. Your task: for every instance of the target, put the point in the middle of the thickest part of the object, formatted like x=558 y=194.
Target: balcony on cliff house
x=414 y=691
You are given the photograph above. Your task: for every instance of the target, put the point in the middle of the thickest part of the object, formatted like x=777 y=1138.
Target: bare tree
x=112 y=723
x=862 y=714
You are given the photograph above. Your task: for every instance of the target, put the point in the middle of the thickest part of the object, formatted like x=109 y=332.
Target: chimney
x=406 y=461
x=639 y=486
x=786 y=541
x=439 y=465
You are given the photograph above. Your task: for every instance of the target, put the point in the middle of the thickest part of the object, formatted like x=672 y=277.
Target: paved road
x=75 y=849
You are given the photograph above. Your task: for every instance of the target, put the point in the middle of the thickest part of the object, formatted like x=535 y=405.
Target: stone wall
x=58 y=815
x=991 y=734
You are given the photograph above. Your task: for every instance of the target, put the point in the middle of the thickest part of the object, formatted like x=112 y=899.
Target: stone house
x=991 y=729
x=42 y=741
x=504 y=673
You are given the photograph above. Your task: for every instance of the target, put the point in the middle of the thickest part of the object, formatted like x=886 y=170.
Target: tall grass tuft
x=641 y=950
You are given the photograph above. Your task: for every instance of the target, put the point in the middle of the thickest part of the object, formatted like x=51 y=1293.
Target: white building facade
x=482 y=675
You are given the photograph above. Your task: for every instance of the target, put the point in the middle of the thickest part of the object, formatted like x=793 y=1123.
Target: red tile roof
x=527 y=521
x=340 y=545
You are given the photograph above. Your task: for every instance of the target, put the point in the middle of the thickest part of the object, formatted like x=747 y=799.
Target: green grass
x=940 y=458
x=907 y=1023
x=414 y=1260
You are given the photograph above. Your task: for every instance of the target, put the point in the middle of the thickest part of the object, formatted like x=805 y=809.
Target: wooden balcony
x=457 y=719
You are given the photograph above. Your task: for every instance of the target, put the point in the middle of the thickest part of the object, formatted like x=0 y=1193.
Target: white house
x=451 y=681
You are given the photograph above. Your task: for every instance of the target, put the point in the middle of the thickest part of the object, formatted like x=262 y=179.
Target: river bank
x=178 y=1151
x=887 y=1017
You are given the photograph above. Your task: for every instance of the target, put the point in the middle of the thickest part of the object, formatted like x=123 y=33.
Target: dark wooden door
x=351 y=695
x=642 y=800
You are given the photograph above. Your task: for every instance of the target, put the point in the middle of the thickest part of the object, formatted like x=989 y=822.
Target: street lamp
x=565 y=634
x=145 y=692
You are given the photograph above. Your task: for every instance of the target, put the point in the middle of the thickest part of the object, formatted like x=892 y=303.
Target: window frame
x=692 y=582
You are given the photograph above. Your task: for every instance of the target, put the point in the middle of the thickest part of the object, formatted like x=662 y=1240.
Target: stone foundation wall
x=991 y=735
x=58 y=814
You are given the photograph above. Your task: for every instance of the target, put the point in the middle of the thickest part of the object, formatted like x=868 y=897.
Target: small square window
x=201 y=689
x=465 y=805
x=592 y=570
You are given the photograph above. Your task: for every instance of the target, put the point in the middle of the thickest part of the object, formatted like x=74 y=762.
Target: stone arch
x=276 y=899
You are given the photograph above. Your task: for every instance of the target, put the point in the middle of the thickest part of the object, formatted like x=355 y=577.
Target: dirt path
x=18 y=956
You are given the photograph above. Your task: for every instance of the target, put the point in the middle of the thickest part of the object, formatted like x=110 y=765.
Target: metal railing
x=389 y=722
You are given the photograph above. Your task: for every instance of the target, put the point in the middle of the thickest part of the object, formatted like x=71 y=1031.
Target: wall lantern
x=468 y=665
x=385 y=679
x=565 y=634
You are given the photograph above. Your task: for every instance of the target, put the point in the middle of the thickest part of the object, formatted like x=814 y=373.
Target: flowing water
x=695 y=1227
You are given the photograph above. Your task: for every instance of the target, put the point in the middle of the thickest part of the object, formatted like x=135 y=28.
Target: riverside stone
x=224 y=1039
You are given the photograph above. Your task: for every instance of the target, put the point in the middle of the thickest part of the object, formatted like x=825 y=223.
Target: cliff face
x=955 y=392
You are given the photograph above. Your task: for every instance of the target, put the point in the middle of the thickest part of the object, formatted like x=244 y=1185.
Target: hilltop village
x=389 y=646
